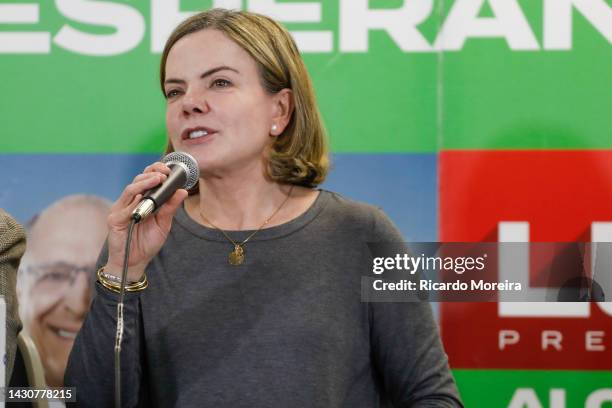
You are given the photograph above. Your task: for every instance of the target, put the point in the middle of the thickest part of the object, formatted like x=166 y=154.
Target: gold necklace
x=236 y=257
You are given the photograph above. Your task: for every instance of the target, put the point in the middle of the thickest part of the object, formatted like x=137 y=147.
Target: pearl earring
x=274 y=128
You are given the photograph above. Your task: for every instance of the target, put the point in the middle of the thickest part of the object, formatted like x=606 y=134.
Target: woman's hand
x=149 y=234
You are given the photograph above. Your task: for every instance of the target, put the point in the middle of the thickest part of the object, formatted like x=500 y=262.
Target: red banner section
x=559 y=194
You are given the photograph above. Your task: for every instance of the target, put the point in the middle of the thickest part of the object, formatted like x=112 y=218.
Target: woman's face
x=217 y=109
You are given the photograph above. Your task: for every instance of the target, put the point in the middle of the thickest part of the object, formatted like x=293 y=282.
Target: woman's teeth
x=197 y=133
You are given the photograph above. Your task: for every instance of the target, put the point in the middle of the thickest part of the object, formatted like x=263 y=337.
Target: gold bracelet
x=117 y=289
x=115 y=279
x=116 y=286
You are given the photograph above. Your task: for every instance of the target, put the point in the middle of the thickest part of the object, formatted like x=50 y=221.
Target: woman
x=254 y=280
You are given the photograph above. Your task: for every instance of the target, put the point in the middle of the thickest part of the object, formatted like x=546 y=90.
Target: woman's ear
x=282 y=109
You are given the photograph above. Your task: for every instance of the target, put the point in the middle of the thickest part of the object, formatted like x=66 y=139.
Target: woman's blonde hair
x=300 y=154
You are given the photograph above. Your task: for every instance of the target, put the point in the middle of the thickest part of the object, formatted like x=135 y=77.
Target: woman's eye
x=172 y=93
x=221 y=83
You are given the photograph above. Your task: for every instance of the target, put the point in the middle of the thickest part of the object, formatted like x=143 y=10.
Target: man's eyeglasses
x=58 y=275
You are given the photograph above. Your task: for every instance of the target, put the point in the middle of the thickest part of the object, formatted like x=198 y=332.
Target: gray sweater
x=285 y=329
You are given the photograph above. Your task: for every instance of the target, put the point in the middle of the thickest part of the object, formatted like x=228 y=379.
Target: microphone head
x=187 y=162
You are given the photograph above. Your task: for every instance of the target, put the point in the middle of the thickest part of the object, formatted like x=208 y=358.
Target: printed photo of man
x=54 y=284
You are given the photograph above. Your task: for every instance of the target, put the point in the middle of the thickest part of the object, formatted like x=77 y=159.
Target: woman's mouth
x=197 y=133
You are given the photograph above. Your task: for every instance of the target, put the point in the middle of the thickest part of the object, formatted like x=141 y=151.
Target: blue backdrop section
x=403 y=185
x=33 y=181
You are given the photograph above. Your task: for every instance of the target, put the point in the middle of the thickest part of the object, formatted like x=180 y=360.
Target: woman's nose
x=195 y=103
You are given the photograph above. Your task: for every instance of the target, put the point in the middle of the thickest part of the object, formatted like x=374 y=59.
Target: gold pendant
x=236 y=257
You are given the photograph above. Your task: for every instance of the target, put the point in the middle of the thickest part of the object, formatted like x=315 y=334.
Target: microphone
x=184 y=173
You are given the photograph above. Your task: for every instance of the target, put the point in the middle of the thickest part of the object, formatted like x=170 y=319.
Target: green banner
x=535 y=389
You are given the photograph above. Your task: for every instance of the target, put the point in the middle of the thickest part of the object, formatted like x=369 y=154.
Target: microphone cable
x=187 y=179
x=119 y=333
